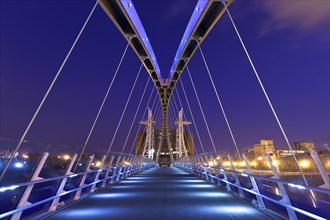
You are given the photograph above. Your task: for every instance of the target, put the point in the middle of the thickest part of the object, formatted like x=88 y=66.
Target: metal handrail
x=322 y=190
x=59 y=195
x=193 y=168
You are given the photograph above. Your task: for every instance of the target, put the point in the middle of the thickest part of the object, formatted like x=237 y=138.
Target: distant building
x=265 y=146
x=249 y=153
x=285 y=152
x=303 y=145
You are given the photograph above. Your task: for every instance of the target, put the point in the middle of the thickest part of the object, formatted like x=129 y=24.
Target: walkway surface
x=160 y=193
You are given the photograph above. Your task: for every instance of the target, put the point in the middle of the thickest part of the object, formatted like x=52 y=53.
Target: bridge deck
x=160 y=193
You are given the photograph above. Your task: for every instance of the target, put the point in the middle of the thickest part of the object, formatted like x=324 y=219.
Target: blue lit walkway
x=160 y=193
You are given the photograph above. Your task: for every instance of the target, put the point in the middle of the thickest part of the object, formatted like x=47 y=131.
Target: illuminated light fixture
x=226 y=163
x=73 y=175
x=197 y=186
x=222 y=170
x=80 y=164
x=2 y=189
x=304 y=163
x=66 y=157
x=275 y=163
x=18 y=165
x=25 y=156
x=211 y=194
x=253 y=163
x=277 y=192
x=296 y=186
x=211 y=163
x=242 y=163
x=100 y=170
x=197 y=8
x=98 y=164
x=244 y=174
x=130 y=5
x=259 y=158
x=236 y=209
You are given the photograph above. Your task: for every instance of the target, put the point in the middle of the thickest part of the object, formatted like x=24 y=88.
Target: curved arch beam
x=125 y=17
x=206 y=14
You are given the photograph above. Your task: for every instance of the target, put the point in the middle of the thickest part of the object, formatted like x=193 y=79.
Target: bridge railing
x=265 y=189
x=56 y=181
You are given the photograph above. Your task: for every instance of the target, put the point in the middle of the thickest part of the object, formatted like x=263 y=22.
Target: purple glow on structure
x=130 y=10
x=190 y=27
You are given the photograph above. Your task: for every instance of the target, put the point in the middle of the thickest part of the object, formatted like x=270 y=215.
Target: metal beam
x=125 y=17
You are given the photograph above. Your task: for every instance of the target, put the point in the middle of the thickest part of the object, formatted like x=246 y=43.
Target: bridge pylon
x=148 y=149
x=181 y=148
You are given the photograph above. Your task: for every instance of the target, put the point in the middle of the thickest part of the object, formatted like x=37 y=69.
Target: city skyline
x=289 y=47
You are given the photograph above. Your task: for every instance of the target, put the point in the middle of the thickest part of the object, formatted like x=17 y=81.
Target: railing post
x=120 y=168
x=82 y=181
x=323 y=172
x=108 y=170
x=114 y=172
x=60 y=190
x=118 y=160
x=24 y=199
x=130 y=166
x=98 y=173
x=200 y=166
x=224 y=174
x=124 y=166
x=261 y=203
x=241 y=193
x=133 y=165
x=285 y=198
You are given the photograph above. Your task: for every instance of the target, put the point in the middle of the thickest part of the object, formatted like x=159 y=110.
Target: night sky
x=287 y=40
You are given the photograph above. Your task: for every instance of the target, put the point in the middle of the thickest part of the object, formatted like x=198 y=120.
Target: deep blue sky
x=287 y=40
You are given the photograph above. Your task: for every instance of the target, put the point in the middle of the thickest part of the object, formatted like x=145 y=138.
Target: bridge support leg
x=129 y=168
x=285 y=197
x=222 y=170
x=261 y=203
x=82 y=181
x=108 y=170
x=240 y=191
x=54 y=204
x=98 y=173
x=24 y=199
x=119 y=173
x=323 y=172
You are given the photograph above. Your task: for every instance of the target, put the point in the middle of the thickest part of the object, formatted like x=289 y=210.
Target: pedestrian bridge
x=161 y=193
x=130 y=187
x=36 y=184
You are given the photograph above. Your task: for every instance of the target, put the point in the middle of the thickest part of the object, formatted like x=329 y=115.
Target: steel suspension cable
x=220 y=104
x=200 y=106
x=137 y=110
x=122 y=115
x=48 y=91
x=265 y=93
x=192 y=117
x=151 y=94
x=101 y=107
